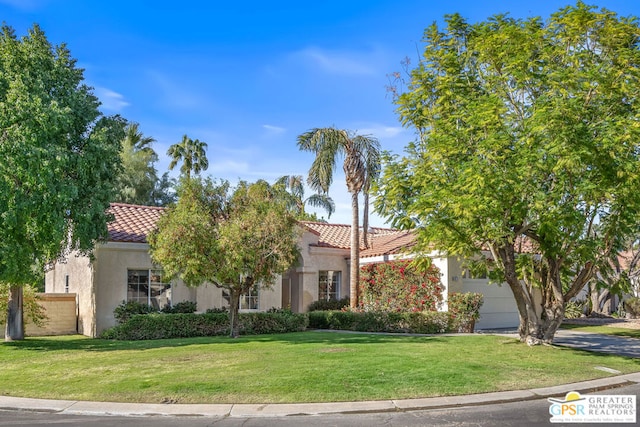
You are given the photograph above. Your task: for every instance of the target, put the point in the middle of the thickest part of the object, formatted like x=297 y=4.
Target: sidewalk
x=595 y=342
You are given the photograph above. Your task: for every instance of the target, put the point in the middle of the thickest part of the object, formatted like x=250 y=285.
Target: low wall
x=61 y=313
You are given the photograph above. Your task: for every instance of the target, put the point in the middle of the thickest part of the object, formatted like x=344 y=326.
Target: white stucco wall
x=499 y=308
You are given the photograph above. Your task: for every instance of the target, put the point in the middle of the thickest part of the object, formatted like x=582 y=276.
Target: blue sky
x=248 y=77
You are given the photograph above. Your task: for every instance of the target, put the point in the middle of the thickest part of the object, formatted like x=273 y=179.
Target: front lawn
x=296 y=367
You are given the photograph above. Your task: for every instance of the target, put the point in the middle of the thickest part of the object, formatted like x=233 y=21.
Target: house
x=121 y=270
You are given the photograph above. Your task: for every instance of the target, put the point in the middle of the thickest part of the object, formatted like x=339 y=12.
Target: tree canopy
x=59 y=161
x=527 y=142
x=236 y=239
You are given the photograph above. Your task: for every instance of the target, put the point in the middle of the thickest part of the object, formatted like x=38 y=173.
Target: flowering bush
x=399 y=286
x=464 y=310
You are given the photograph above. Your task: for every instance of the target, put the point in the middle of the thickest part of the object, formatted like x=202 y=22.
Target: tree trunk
x=538 y=320
x=15 y=325
x=354 y=276
x=234 y=307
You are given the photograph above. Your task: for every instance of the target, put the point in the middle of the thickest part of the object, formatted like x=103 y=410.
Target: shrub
x=632 y=306
x=332 y=304
x=181 y=307
x=573 y=309
x=425 y=322
x=399 y=286
x=224 y=309
x=127 y=309
x=464 y=310
x=184 y=325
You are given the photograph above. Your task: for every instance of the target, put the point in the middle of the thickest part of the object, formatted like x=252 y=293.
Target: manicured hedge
x=426 y=322
x=183 y=325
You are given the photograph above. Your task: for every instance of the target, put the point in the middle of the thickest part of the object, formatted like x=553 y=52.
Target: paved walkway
x=601 y=343
x=591 y=342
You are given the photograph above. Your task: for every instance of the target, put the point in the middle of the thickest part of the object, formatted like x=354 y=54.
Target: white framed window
x=329 y=285
x=248 y=301
x=148 y=287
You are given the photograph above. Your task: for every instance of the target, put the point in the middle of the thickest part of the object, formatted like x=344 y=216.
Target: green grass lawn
x=607 y=330
x=297 y=367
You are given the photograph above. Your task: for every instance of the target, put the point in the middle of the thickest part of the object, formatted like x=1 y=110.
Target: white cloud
x=111 y=101
x=274 y=129
x=381 y=131
x=174 y=94
x=337 y=62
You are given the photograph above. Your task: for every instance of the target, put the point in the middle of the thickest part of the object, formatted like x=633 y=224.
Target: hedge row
x=160 y=326
x=425 y=322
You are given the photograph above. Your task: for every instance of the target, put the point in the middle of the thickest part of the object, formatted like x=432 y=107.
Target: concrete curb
x=279 y=410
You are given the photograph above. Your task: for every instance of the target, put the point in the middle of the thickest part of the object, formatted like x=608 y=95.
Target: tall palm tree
x=192 y=154
x=138 y=176
x=294 y=185
x=361 y=166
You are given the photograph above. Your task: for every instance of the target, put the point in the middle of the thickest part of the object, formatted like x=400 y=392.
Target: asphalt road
x=516 y=414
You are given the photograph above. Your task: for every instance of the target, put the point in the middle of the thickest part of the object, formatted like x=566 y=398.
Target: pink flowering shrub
x=464 y=310
x=397 y=286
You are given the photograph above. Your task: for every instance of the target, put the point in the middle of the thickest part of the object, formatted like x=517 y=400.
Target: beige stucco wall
x=60 y=310
x=304 y=287
x=210 y=296
x=101 y=285
x=79 y=270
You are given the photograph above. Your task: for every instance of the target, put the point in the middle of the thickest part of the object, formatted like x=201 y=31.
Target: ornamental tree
x=59 y=162
x=528 y=145
x=236 y=239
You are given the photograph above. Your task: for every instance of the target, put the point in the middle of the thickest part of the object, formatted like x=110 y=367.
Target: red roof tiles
x=132 y=223
x=381 y=240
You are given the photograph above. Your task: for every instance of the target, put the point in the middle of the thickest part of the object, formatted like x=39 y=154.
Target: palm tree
x=361 y=165
x=139 y=175
x=294 y=186
x=192 y=154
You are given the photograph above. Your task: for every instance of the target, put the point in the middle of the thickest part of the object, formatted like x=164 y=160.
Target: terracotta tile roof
x=392 y=243
x=132 y=223
x=381 y=240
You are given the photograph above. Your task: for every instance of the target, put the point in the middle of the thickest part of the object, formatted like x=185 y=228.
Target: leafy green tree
x=191 y=153
x=235 y=240
x=60 y=158
x=138 y=177
x=361 y=166
x=294 y=186
x=528 y=143
x=163 y=193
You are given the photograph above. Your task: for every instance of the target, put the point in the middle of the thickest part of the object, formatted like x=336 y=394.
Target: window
x=329 y=285
x=148 y=287
x=250 y=301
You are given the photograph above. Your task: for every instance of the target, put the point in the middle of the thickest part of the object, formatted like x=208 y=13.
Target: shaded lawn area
x=296 y=367
x=606 y=330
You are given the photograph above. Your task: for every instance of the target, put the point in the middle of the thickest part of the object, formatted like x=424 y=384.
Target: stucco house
x=121 y=270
